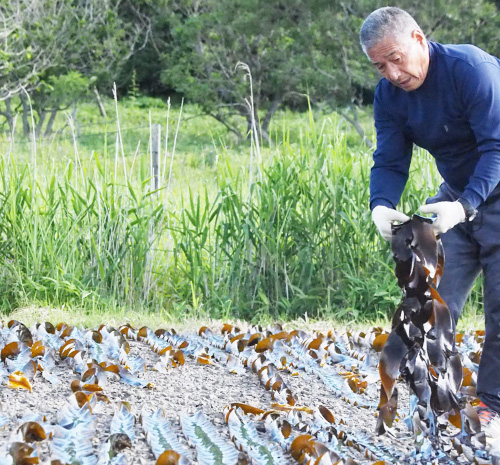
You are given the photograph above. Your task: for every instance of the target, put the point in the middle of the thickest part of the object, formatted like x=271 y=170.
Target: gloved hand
x=449 y=214
x=383 y=217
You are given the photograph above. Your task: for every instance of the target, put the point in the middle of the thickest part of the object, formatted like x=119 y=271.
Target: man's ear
x=418 y=35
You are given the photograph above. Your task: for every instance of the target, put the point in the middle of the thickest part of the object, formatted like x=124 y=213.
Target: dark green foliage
x=292 y=48
x=191 y=49
x=55 y=51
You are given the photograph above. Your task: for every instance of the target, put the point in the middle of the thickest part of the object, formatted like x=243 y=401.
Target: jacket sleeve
x=480 y=91
x=392 y=157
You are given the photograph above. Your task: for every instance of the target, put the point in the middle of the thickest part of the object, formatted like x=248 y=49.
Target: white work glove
x=448 y=214
x=383 y=217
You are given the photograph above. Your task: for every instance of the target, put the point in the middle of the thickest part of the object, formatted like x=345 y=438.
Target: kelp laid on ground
x=246 y=437
x=163 y=441
x=94 y=367
x=211 y=448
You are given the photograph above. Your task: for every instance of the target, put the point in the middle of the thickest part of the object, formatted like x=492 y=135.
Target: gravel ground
x=193 y=387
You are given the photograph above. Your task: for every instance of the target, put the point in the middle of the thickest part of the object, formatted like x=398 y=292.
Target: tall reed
x=301 y=242
x=78 y=243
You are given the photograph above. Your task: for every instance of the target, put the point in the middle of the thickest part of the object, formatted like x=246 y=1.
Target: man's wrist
x=381 y=203
x=470 y=211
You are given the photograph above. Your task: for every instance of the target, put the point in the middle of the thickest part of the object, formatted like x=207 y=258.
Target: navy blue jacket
x=454 y=114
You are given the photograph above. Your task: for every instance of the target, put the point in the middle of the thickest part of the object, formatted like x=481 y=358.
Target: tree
x=47 y=42
x=25 y=30
x=292 y=48
x=275 y=39
x=58 y=93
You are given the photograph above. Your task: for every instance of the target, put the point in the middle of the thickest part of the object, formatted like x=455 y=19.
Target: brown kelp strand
x=421 y=349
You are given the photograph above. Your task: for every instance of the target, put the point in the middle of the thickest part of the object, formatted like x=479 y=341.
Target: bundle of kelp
x=421 y=347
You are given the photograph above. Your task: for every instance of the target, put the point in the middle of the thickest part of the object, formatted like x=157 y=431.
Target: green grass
x=137 y=318
x=114 y=316
x=77 y=233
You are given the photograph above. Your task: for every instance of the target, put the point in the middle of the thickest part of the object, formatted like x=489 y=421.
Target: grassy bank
x=227 y=236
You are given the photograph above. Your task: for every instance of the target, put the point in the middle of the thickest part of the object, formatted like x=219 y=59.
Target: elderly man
x=446 y=99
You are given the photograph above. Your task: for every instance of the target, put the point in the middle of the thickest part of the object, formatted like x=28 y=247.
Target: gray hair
x=385 y=22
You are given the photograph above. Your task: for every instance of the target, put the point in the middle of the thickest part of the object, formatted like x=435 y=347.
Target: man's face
x=404 y=63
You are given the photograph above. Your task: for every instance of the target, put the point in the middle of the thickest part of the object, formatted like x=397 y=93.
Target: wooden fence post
x=155 y=154
x=99 y=103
